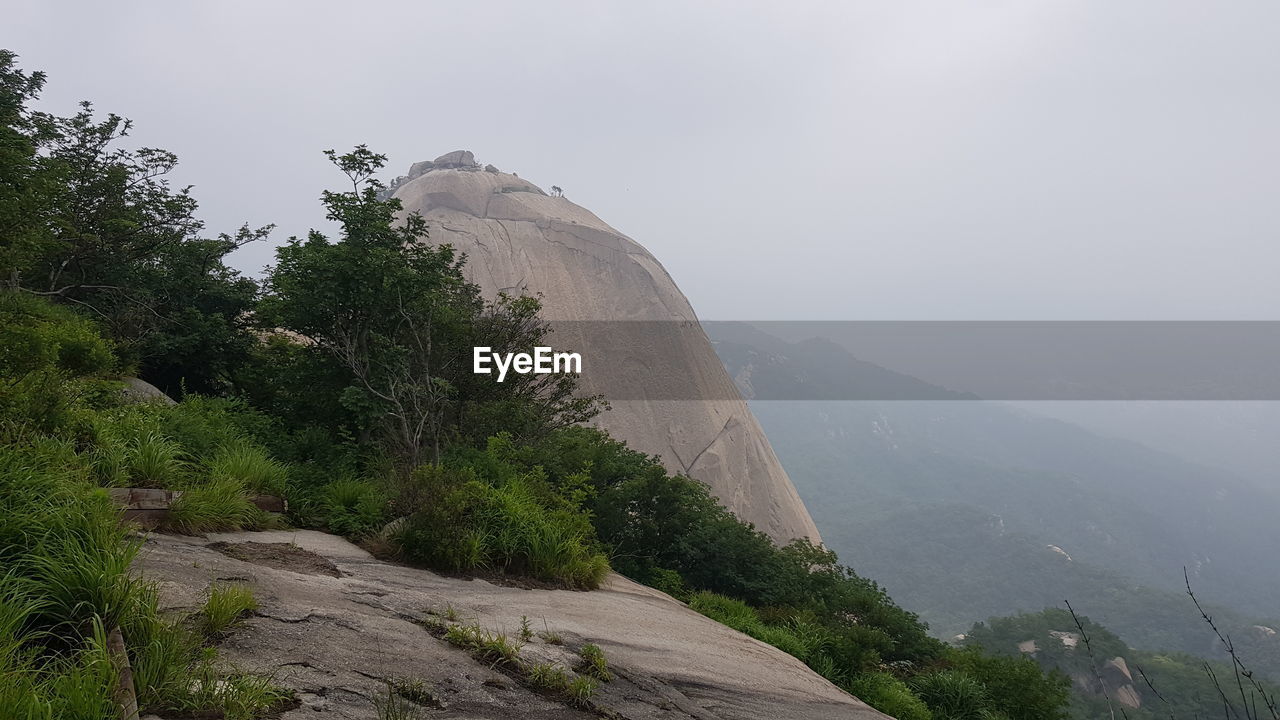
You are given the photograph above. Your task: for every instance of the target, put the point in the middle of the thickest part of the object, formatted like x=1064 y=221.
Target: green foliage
x=213 y=506
x=372 y=421
x=354 y=508
x=581 y=689
x=67 y=580
x=251 y=467
x=225 y=606
x=87 y=223
x=547 y=677
x=498 y=649
x=594 y=663
x=485 y=511
x=1184 y=682
x=83 y=572
x=48 y=356
x=889 y=695
x=1019 y=687
x=952 y=695
x=154 y=461
x=415 y=691
x=392 y=705
x=390 y=317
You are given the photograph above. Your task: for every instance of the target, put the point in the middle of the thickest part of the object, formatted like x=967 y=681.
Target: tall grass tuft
x=217 y=505
x=391 y=705
x=354 y=508
x=594 y=663
x=952 y=695
x=889 y=695
x=82 y=684
x=163 y=653
x=82 y=574
x=506 y=528
x=225 y=607
x=249 y=465
x=155 y=461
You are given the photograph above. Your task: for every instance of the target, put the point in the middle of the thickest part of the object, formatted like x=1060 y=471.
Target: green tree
x=86 y=223
x=26 y=190
x=399 y=319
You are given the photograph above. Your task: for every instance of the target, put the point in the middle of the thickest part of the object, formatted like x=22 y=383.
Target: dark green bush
x=890 y=696
x=482 y=510
x=354 y=508
x=953 y=695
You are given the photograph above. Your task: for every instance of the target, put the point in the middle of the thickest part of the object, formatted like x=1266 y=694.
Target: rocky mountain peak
x=519 y=239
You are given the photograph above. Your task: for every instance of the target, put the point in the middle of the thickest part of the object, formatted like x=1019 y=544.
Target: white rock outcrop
x=336 y=625
x=520 y=239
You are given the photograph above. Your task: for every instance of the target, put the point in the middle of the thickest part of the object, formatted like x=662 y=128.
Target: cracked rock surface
x=337 y=640
x=518 y=238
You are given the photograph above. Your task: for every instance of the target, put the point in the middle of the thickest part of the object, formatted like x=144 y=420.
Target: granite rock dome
x=521 y=239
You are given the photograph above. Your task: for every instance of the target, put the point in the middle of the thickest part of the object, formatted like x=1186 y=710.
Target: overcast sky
x=841 y=160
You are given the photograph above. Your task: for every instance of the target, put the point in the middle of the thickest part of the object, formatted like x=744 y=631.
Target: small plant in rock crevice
x=594 y=663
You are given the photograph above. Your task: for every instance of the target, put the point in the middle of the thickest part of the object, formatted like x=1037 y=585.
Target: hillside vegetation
x=340 y=383
x=967 y=510
x=1162 y=685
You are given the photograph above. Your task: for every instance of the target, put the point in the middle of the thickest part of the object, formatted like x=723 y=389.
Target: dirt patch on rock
x=283 y=556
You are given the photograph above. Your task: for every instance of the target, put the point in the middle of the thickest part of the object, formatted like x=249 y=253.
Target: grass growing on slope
x=485 y=513
x=154 y=460
x=225 y=607
x=250 y=466
x=594 y=663
x=217 y=505
x=503 y=653
x=889 y=695
x=65 y=580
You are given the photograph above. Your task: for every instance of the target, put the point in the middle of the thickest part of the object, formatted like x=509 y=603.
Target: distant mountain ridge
x=765 y=367
x=966 y=510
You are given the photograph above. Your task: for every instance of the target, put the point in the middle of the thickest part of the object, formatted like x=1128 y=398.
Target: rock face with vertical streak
x=520 y=239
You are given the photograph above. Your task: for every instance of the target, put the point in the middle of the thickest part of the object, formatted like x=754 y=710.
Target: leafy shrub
x=205 y=426
x=889 y=695
x=953 y=695
x=512 y=523
x=354 y=508
x=668 y=581
x=48 y=357
x=1018 y=687
x=37 y=335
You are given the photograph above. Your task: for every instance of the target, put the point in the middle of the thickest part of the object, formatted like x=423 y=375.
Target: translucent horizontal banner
x=921 y=360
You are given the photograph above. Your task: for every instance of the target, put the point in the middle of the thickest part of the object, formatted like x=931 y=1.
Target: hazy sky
x=859 y=160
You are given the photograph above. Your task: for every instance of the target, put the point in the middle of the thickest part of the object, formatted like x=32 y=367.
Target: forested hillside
x=1109 y=677
x=1014 y=512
